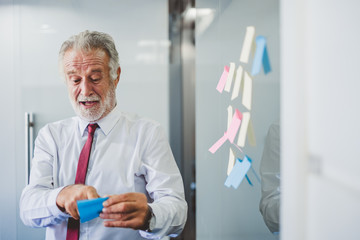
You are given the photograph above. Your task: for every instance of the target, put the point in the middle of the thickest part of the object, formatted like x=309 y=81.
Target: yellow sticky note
x=231 y=161
x=247 y=44
x=247 y=92
x=251 y=134
x=243 y=129
x=237 y=84
x=230 y=77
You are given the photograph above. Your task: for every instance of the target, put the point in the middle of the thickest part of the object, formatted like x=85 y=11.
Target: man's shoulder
x=135 y=120
x=61 y=125
x=53 y=133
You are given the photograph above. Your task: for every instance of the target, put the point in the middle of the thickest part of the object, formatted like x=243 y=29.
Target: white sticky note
x=247 y=92
x=231 y=161
x=230 y=77
x=251 y=134
x=230 y=115
x=237 y=84
x=247 y=44
x=243 y=129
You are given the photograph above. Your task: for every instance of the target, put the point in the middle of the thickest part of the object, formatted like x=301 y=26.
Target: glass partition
x=225 y=30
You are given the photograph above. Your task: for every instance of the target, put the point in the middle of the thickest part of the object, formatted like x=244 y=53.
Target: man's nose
x=86 y=88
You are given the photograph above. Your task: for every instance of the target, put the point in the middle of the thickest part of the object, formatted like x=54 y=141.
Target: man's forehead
x=85 y=52
x=75 y=59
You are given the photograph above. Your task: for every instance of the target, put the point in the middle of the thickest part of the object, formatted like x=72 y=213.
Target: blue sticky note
x=238 y=173
x=90 y=209
x=261 y=57
x=248 y=179
x=266 y=61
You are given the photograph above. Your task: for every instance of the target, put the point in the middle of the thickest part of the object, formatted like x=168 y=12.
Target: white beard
x=97 y=112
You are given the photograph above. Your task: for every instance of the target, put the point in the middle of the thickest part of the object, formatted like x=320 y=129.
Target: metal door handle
x=29 y=143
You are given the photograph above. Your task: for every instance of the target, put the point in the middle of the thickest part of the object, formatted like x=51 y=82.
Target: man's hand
x=66 y=200
x=129 y=210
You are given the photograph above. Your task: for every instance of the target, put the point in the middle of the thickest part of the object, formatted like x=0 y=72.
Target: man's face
x=91 y=91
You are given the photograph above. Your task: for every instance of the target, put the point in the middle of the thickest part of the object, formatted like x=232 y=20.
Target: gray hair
x=90 y=40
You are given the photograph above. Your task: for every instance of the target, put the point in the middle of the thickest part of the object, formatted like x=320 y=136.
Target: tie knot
x=92 y=128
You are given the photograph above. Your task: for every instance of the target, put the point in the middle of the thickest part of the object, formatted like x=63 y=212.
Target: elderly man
x=102 y=152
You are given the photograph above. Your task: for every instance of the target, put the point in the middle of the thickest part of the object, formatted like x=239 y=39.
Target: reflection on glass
x=270 y=179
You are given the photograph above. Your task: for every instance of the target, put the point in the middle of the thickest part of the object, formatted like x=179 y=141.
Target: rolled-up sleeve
x=38 y=199
x=165 y=187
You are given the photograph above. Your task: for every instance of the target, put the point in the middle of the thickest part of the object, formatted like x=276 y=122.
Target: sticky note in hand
x=90 y=209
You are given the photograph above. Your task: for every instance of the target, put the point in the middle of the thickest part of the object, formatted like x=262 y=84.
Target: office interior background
x=172 y=54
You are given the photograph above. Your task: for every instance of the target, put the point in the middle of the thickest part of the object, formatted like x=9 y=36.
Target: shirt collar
x=105 y=124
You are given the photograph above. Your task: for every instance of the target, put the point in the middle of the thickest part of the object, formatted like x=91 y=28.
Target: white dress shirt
x=129 y=154
x=270 y=179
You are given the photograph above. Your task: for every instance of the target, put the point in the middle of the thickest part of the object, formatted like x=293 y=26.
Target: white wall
x=31 y=34
x=7 y=120
x=140 y=35
x=320 y=102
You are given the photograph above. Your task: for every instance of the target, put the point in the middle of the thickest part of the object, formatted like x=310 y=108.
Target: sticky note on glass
x=231 y=161
x=230 y=77
x=247 y=44
x=231 y=132
x=218 y=144
x=230 y=115
x=237 y=84
x=251 y=134
x=90 y=209
x=234 y=126
x=224 y=76
x=243 y=129
x=261 y=57
x=247 y=92
x=238 y=173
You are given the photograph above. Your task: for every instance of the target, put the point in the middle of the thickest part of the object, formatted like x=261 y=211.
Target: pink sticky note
x=234 y=126
x=218 y=144
x=221 y=84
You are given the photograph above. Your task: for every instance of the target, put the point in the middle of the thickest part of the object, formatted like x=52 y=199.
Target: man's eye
x=76 y=80
x=95 y=79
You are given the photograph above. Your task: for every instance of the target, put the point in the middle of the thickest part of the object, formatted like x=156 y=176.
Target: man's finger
x=70 y=208
x=74 y=213
x=92 y=194
x=133 y=223
x=126 y=207
x=114 y=199
x=118 y=216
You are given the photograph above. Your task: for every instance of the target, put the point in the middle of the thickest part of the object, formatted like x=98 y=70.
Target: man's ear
x=116 y=81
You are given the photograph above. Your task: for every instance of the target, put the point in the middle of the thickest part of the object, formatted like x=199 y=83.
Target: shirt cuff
x=152 y=220
x=53 y=208
x=156 y=226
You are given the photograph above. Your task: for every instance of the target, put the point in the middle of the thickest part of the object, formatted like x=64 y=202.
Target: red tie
x=74 y=225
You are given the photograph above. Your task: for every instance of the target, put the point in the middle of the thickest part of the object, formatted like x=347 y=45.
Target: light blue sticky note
x=238 y=173
x=261 y=57
x=266 y=61
x=90 y=209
